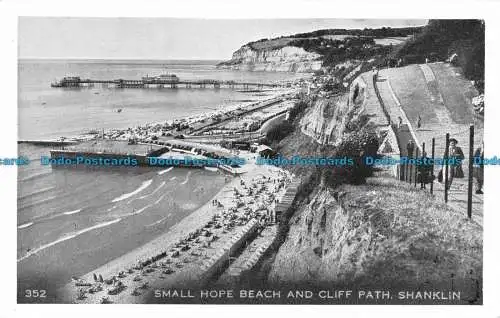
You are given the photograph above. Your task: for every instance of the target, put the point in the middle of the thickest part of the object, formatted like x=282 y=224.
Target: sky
x=163 y=38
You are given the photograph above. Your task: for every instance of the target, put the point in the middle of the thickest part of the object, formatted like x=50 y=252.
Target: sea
x=73 y=220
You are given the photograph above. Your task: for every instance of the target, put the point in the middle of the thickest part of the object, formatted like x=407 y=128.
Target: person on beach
x=455 y=155
x=419 y=121
x=479 y=168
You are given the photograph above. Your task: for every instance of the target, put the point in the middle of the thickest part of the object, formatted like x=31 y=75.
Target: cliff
x=282 y=59
x=384 y=234
x=309 y=52
x=329 y=118
x=380 y=235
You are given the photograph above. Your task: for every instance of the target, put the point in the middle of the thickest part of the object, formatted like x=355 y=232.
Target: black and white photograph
x=277 y=160
x=321 y=153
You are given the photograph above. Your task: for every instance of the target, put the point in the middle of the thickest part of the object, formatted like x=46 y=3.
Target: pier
x=76 y=82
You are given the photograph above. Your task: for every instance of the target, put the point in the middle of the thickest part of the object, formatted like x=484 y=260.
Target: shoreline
x=197 y=218
x=189 y=274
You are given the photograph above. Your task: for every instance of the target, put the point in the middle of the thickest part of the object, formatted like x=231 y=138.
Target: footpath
x=431 y=101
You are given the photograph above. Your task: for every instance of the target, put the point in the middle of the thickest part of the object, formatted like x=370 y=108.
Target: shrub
x=441 y=38
x=356 y=146
x=297 y=109
x=280 y=131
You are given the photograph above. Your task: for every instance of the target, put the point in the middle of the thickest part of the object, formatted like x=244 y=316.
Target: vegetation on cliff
x=440 y=39
x=436 y=41
x=383 y=234
x=329 y=46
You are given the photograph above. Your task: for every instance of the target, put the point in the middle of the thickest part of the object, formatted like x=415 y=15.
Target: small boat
x=119 y=110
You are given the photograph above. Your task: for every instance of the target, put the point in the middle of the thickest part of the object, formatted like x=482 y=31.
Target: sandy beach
x=136 y=283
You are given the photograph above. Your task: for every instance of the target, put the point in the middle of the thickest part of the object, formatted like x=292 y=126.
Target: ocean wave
x=189 y=206
x=36 y=175
x=187 y=178
x=150 y=194
x=144 y=208
x=143 y=186
x=25 y=225
x=159 y=199
x=47 y=218
x=56 y=215
x=68 y=237
x=141 y=210
x=157 y=222
x=165 y=171
x=38 y=202
x=35 y=193
x=72 y=212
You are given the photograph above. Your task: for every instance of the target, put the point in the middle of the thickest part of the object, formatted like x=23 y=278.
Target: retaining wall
x=218 y=262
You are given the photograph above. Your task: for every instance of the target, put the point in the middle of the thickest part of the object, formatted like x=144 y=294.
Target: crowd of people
x=253 y=198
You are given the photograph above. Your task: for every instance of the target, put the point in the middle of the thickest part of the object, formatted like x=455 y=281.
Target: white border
x=233 y=9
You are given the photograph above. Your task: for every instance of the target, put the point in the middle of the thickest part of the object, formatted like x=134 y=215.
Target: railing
x=424 y=174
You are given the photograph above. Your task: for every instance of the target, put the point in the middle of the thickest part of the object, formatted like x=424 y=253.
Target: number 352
x=35 y=293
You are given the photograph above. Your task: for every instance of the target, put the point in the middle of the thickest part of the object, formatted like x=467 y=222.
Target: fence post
x=432 y=171
x=471 y=167
x=445 y=177
x=406 y=168
x=406 y=171
x=422 y=184
x=410 y=167
x=416 y=167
